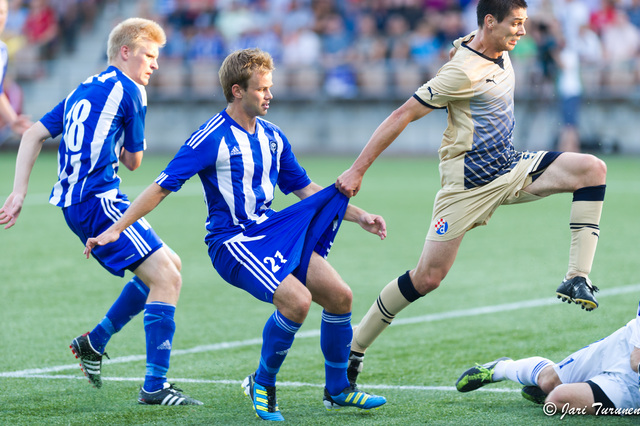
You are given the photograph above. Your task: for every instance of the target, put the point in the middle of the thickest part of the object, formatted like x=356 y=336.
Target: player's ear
x=124 y=52
x=237 y=91
x=490 y=21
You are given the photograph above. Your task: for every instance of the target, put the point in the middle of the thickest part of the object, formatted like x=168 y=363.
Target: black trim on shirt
x=426 y=104
x=499 y=61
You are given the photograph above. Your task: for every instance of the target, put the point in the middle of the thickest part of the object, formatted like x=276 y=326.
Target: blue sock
x=129 y=304
x=159 y=327
x=335 y=341
x=277 y=338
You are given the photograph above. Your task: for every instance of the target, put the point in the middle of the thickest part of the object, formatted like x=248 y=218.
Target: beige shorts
x=455 y=211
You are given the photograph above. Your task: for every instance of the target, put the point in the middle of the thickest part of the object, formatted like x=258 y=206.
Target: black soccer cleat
x=90 y=359
x=478 y=376
x=168 y=395
x=578 y=290
x=533 y=394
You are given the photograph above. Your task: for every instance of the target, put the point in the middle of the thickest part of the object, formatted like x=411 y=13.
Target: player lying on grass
x=102 y=124
x=277 y=257
x=480 y=169
x=599 y=378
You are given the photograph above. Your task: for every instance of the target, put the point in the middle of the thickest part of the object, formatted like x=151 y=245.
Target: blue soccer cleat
x=263 y=398
x=352 y=397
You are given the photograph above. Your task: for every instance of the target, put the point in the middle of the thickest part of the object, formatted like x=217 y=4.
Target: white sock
x=523 y=371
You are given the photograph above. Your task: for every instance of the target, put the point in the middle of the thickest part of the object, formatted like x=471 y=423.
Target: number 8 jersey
x=99 y=118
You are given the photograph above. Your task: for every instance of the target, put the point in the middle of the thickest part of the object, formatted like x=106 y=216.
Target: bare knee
x=340 y=301
x=596 y=171
x=548 y=380
x=426 y=282
x=168 y=278
x=294 y=305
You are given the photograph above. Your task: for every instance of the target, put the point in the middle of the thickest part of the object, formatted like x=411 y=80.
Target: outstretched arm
x=143 y=204
x=349 y=182
x=30 y=147
x=19 y=123
x=369 y=222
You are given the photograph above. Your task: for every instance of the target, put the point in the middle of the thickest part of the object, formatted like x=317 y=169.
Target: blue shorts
x=258 y=259
x=92 y=217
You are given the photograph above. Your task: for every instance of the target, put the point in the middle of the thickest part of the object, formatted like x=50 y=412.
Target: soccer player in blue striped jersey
x=102 y=124
x=480 y=168
x=278 y=257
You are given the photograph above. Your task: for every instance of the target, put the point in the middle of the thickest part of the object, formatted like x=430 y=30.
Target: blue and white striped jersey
x=4 y=61
x=102 y=115
x=238 y=171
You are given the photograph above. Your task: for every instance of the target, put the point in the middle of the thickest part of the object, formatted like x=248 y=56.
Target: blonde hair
x=131 y=32
x=239 y=66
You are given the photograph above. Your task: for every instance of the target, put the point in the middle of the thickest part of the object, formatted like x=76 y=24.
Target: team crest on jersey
x=273 y=146
x=442 y=226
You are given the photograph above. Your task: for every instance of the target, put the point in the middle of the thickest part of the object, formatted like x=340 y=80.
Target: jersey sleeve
x=180 y=169
x=292 y=175
x=134 y=116
x=54 y=119
x=449 y=85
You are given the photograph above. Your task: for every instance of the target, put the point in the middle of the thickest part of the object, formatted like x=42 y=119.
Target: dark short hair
x=500 y=9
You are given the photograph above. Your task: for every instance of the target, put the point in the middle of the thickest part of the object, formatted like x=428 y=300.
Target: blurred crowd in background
x=346 y=48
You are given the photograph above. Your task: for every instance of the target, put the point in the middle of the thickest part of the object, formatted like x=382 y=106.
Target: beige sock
x=585 y=231
x=382 y=312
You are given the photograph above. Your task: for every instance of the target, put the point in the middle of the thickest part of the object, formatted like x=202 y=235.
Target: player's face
x=255 y=100
x=506 y=34
x=143 y=61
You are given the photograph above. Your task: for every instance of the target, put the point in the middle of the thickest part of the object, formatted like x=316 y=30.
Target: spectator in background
x=18 y=13
x=233 y=20
x=426 y=48
x=301 y=48
x=340 y=79
x=69 y=22
x=41 y=28
x=206 y=44
x=397 y=35
x=569 y=89
x=621 y=43
x=177 y=46
x=451 y=26
x=589 y=47
x=10 y=118
x=369 y=46
x=296 y=17
x=603 y=16
x=633 y=11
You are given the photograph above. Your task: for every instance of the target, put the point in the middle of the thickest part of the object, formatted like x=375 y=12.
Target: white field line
x=280 y=384
x=461 y=313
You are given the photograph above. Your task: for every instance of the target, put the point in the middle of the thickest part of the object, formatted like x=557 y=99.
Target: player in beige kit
x=480 y=168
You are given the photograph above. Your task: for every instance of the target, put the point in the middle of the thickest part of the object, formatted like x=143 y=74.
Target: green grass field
x=49 y=294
